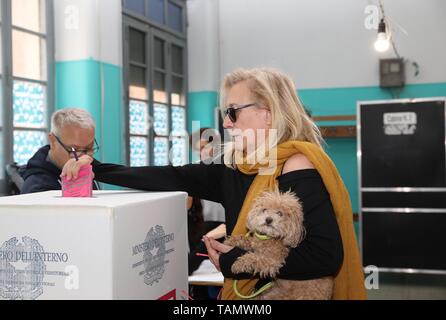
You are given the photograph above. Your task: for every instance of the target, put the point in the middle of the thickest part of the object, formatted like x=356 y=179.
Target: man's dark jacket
x=41 y=174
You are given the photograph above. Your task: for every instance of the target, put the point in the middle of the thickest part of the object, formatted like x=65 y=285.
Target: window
x=26 y=90
x=169 y=14
x=178 y=106
x=160 y=107
x=138 y=100
x=155 y=73
x=2 y=164
x=29 y=72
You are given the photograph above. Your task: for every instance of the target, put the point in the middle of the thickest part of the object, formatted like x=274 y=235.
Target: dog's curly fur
x=278 y=216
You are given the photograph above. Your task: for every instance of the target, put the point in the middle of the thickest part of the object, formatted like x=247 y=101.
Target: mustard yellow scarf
x=349 y=282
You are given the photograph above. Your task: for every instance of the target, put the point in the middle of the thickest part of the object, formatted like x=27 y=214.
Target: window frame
x=7 y=82
x=152 y=31
x=163 y=27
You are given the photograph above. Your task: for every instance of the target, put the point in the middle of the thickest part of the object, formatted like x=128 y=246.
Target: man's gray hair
x=71 y=116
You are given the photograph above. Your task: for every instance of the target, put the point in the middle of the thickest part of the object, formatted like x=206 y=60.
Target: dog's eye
x=279 y=213
x=264 y=210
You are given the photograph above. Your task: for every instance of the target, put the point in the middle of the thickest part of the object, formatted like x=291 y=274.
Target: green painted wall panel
x=96 y=87
x=343 y=153
x=113 y=114
x=201 y=107
x=78 y=84
x=343 y=101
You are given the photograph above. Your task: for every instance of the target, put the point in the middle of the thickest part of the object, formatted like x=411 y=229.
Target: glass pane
x=138 y=83
x=136 y=6
x=161 y=152
x=137 y=46
x=156 y=10
x=138 y=152
x=139 y=117
x=161 y=120
x=2 y=156
x=1 y=49
x=175 y=17
x=159 y=53
x=29 y=105
x=159 y=88
x=28 y=55
x=29 y=14
x=26 y=144
x=177 y=95
x=1 y=108
x=138 y=76
x=178 y=155
x=138 y=93
x=177 y=59
x=178 y=121
x=2 y=176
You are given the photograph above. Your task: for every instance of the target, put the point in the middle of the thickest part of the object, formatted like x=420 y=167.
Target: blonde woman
x=275 y=144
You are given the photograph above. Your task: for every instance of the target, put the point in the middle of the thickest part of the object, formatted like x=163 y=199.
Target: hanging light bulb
x=382 y=42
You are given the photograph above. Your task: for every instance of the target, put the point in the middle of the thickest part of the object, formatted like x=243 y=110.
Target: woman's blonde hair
x=276 y=91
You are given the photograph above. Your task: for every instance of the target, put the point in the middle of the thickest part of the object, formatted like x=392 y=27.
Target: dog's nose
x=269 y=220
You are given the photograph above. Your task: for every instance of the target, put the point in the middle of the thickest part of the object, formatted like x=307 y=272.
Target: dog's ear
x=291 y=240
x=295 y=235
x=252 y=214
x=295 y=232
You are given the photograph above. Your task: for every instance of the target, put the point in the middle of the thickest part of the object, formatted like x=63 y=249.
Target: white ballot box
x=116 y=245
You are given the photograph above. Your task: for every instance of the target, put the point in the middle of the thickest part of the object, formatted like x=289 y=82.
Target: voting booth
x=402 y=181
x=116 y=245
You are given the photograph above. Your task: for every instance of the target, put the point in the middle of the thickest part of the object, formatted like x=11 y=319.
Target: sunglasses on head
x=231 y=111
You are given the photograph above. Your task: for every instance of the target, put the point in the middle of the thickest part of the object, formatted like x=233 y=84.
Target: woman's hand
x=215 y=248
x=72 y=167
x=218 y=232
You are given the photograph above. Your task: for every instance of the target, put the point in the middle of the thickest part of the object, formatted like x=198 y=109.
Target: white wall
x=204 y=45
x=320 y=43
x=88 y=29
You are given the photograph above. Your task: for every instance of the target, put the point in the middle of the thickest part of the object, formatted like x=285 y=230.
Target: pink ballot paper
x=81 y=187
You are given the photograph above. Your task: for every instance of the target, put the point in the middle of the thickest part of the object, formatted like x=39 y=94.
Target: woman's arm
x=198 y=180
x=321 y=253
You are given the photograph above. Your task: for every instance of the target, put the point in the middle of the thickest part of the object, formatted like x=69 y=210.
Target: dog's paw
x=238 y=241
x=268 y=272
x=231 y=241
x=264 y=266
x=240 y=266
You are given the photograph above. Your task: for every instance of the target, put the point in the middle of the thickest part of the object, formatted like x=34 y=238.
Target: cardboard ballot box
x=116 y=245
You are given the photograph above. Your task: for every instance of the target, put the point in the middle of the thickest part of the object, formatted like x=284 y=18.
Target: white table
x=206 y=275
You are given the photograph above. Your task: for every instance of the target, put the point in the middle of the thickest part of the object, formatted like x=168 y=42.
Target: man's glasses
x=231 y=111
x=78 y=153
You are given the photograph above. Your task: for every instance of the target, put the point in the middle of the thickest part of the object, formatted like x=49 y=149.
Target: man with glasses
x=72 y=135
